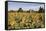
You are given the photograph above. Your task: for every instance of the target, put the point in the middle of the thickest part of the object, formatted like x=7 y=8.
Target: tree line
x=41 y=10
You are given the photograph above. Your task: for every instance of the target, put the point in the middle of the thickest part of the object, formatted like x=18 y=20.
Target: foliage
x=41 y=10
x=20 y=10
x=25 y=20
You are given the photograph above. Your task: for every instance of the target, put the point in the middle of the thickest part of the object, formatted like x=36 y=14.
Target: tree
x=11 y=11
x=20 y=10
x=41 y=10
x=28 y=11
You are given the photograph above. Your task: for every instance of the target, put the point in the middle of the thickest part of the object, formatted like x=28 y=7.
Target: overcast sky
x=24 y=6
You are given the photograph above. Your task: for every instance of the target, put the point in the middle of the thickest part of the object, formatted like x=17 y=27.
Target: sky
x=24 y=6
